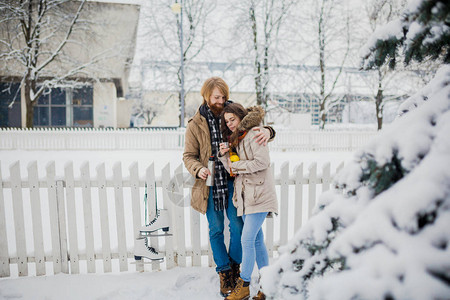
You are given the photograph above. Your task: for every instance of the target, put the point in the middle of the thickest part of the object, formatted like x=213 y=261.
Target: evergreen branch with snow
x=422 y=31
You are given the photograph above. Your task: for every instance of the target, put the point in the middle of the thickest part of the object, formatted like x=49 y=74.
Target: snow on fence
x=166 y=139
x=87 y=221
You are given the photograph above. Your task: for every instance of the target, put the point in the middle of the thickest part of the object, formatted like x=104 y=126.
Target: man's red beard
x=216 y=108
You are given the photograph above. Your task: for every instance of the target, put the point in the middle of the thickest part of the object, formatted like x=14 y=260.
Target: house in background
x=97 y=99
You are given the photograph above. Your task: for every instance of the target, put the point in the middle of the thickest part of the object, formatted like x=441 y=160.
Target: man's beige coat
x=197 y=150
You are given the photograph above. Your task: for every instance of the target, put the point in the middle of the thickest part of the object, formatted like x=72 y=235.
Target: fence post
x=326 y=177
x=4 y=255
x=179 y=226
x=72 y=218
x=165 y=179
x=135 y=206
x=270 y=231
x=312 y=188
x=53 y=214
x=104 y=218
x=284 y=203
x=120 y=218
x=61 y=221
x=36 y=218
x=298 y=213
x=152 y=206
x=19 y=221
x=88 y=220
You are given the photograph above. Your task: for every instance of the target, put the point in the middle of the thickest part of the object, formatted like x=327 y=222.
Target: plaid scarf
x=220 y=188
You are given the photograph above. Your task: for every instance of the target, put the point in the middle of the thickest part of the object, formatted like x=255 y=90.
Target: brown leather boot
x=226 y=282
x=236 y=271
x=240 y=292
x=259 y=296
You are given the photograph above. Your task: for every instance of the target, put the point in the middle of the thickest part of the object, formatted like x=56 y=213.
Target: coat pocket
x=254 y=187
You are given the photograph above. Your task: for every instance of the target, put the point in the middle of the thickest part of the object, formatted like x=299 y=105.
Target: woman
x=254 y=188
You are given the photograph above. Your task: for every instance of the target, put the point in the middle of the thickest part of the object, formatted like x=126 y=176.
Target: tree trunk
x=29 y=106
x=322 y=111
x=379 y=102
x=258 y=83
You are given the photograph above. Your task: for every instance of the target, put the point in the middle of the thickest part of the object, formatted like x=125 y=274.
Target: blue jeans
x=216 y=226
x=253 y=246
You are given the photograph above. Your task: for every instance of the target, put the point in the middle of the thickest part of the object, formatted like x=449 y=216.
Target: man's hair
x=212 y=83
x=240 y=112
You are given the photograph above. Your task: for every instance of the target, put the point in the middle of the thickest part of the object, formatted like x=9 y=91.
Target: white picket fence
x=87 y=223
x=167 y=139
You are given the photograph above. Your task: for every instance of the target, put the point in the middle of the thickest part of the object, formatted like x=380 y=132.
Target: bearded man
x=202 y=141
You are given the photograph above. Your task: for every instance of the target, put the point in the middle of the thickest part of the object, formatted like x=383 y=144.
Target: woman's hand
x=262 y=136
x=224 y=148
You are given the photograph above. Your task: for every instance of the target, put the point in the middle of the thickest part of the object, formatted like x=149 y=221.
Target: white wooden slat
x=170 y=254
x=135 y=204
x=312 y=188
x=150 y=180
x=120 y=218
x=195 y=238
x=340 y=167
x=88 y=220
x=179 y=225
x=53 y=214
x=298 y=211
x=326 y=177
x=104 y=218
x=211 y=262
x=284 y=203
x=62 y=226
x=270 y=231
x=72 y=219
x=36 y=218
x=151 y=192
x=4 y=254
x=19 y=222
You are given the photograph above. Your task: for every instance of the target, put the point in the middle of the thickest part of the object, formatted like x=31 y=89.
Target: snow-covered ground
x=178 y=283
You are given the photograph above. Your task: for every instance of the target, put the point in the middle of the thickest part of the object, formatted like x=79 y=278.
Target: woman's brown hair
x=210 y=84
x=240 y=112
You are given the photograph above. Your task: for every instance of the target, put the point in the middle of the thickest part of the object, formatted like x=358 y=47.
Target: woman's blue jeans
x=253 y=247
x=222 y=257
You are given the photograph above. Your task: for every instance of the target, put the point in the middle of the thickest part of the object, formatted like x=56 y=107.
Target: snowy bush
x=383 y=231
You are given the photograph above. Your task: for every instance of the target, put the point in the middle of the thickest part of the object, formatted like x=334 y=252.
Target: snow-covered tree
x=258 y=27
x=265 y=19
x=146 y=110
x=48 y=44
x=423 y=31
x=380 y=12
x=38 y=31
x=326 y=32
x=382 y=232
x=161 y=33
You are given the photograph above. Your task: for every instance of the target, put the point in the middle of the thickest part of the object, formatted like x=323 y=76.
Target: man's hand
x=203 y=173
x=262 y=136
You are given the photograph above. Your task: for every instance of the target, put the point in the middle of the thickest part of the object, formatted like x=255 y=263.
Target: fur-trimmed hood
x=254 y=118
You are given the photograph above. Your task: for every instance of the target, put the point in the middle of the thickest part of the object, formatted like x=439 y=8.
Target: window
x=65 y=108
x=50 y=109
x=10 y=116
x=82 y=101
